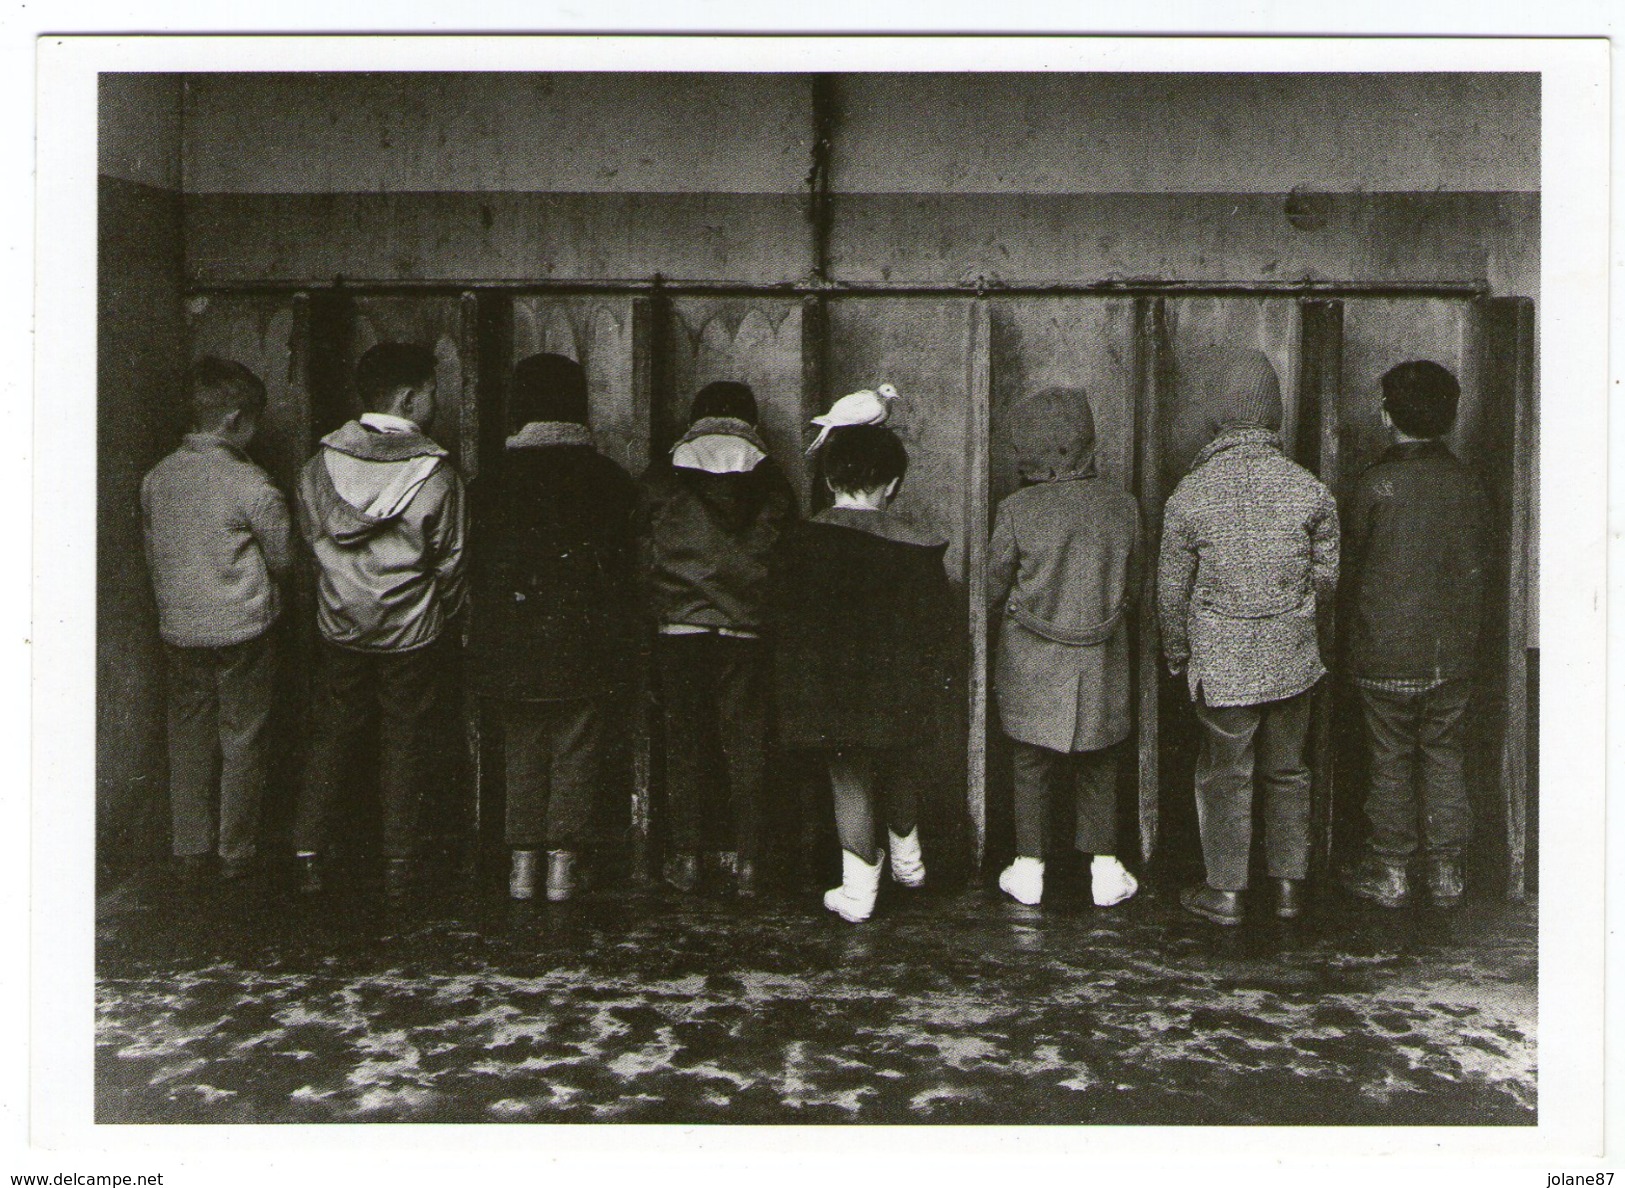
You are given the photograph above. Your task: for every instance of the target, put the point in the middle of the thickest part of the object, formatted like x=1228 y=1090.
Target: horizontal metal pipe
x=643 y=287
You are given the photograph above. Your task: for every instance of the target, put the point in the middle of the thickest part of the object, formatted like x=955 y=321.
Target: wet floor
x=948 y=1006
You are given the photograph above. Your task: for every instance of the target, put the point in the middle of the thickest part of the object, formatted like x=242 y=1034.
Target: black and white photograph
x=818 y=593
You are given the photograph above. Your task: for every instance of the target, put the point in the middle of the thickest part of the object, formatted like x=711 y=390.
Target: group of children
x=836 y=630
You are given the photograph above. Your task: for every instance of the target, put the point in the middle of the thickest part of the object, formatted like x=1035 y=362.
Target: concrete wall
x=937 y=179
x=141 y=343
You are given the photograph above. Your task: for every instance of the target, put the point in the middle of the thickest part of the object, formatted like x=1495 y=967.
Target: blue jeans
x=1239 y=743
x=1416 y=745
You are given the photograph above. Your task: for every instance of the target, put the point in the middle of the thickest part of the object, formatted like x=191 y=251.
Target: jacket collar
x=371 y=445
x=1431 y=448
x=203 y=442
x=536 y=434
x=724 y=426
x=878 y=523
x=1232 y=436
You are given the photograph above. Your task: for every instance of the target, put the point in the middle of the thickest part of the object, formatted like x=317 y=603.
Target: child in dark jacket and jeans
x=551 y=637
x=1417 y=543
x=711 y=516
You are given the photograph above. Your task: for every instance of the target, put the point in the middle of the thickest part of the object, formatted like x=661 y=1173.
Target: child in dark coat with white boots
x=859 y=608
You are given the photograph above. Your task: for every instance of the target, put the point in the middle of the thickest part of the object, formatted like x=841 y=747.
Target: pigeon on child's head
x=859 y=408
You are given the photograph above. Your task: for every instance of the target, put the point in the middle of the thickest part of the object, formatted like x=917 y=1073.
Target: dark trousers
x=1416 y=739
x=550 y=752
x=1237 y=743
x=401 y=690
x=863 y=778
x=715 y=693
x=1094 y=784
x=219 y=705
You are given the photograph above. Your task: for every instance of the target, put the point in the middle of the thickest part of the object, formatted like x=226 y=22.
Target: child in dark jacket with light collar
x=712 y=513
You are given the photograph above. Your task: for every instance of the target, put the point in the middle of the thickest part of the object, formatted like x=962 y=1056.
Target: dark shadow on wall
x=141 y=349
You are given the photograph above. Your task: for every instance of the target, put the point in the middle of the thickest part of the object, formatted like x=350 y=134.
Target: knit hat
x=548 y=388
x=1052 y=433
x=724 y=398
x=1249 y=394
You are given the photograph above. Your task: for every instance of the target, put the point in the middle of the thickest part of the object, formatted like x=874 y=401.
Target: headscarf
x=1053 y=435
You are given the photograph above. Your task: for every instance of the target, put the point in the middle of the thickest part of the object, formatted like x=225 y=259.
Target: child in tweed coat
x=1249 y=556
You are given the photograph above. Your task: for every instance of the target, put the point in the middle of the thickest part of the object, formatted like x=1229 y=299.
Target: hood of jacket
x=1052 y=433
x=368 y=477
x=718 y=460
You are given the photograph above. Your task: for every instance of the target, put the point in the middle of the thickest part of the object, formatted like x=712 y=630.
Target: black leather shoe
x=1289 y=898
x=1382 y=882
x=1444 y=881
x=682 y=872
x=1221 y=907
x=310 y=873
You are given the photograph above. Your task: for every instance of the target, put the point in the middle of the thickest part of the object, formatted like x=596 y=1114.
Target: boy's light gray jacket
x=1249 y=552
x=216 y=535
x=384 y=514
x=1062 y=570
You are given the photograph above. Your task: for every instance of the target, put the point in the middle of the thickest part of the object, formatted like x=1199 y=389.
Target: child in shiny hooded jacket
x=711 y=514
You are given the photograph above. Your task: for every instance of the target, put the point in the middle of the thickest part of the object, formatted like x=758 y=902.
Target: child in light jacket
x=1063 y=571
x=216 y=538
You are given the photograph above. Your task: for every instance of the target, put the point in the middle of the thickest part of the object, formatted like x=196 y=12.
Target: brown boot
x=1221 y=907
x=1444 y=880
x=561 y=875
x=1289 y=898
x=1381 y=881
x=522 y=874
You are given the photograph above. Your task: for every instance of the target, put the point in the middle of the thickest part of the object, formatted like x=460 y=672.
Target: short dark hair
x=219 y=387
x=547 y=388
x=388 y=368
x=724 y=398
x=863 y=458
x=1420 y=398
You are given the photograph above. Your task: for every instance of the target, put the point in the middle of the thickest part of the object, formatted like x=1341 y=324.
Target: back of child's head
x=858 y=458
x=548 y=388
x=724 y=398
x=1420 y=398
x=388 y=369
x=219 y=387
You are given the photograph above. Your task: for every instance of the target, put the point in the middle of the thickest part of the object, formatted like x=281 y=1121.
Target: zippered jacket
x=383 y=512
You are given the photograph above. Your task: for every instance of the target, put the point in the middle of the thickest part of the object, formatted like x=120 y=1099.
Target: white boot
x=907 y=864
x=1023 y=881
x=1111 y=883
x=854 y=899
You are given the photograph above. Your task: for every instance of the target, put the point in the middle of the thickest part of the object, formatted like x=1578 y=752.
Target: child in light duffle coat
x=859 y=610
x=1063 y=570
x=216 y=536
x=711 y=514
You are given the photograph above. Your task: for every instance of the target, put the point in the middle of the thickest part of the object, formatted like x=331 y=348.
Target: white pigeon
x=859 y=408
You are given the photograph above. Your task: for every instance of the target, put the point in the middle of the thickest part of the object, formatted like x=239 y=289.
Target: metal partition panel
x=924 y=347
x=437 y=321
x=597 y=332
x=1087 y=343
x=270 y=335
x=756 y=341
x=1379 y=333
